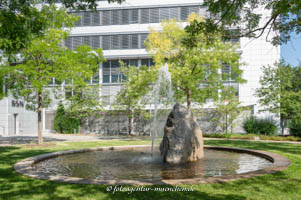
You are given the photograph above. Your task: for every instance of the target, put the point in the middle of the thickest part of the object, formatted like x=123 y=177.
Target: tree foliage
x=83 y=101
x=20 y=25
x=194 y=60
x=132 y=96
x=279 y=92
x=63 y=123
x=228 y=108
x=284 y=17
x=44 y=59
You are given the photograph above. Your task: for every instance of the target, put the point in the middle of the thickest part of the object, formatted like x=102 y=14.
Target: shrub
x=250 y=125
x=63 y=123
x=295 y=127
x=71 y=125
x=266 y=126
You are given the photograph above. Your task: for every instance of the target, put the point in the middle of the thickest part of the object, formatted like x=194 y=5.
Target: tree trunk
x=282 y=122
x=188 y=98
x=40 y=138
x=130 y=122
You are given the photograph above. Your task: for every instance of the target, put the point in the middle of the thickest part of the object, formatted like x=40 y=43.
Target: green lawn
x=282 y=185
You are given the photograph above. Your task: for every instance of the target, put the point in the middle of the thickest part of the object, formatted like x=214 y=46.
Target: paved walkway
x=51 y=137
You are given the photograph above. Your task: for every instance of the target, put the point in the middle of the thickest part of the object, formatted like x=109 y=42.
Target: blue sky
x=291 y=52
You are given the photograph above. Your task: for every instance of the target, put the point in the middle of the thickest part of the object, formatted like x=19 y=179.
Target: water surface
x=140 y=165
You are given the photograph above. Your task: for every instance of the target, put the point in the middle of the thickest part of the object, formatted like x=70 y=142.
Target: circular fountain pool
x=136 y=165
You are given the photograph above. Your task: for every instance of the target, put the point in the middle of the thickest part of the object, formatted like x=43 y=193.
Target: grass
x=281 y=185
x=251 y=137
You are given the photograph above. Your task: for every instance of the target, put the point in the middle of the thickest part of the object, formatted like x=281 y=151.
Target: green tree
x=228 y=109
x=63 y=123
x=195 y=61
x=279 y=93
x=59 y=119
x=136 y=85
x=83 y=101
x=284 y=17
x=43 y=60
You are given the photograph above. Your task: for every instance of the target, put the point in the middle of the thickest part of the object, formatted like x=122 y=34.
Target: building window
x=147 y=62
x=111 y=69
x=227 y=73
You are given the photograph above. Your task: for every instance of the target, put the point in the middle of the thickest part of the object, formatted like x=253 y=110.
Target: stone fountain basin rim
x=25 y=167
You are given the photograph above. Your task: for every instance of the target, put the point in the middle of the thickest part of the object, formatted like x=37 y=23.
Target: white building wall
x=16 y=120
x=256 y=53
x=3 y=117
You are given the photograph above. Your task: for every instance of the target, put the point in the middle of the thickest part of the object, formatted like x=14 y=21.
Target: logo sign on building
x=17 y=104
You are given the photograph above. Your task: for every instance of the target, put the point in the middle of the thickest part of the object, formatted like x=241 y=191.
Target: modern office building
x=120 y=30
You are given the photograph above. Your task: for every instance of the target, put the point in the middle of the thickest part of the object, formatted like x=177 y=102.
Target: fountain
x=162 y=97
x=182 y=140
x=183 y=159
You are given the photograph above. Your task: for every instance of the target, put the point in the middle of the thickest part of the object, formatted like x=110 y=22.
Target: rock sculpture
x=182 y=140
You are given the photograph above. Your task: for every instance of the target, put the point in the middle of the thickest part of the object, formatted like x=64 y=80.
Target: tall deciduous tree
x=279 y=92
x=43 y=60
x=83 y=102
x=195 y=61
x=228 y=108
x=137 y=84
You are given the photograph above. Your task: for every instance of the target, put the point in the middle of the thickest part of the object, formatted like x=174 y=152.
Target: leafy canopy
x=194 y=60
x=45 y=59
x=280 y=91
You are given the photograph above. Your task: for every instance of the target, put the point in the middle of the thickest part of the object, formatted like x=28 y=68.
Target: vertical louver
x=115 y=17
x=125 y=16
x=134 y=16
x=144 y=16
x=95 y=42
x=95 y=18
x=106 y=17
x=134 y=42
x=86 y=19
x=106 y=42
x=125 y=41
x=154 y=15
x=164 y=14
x=142 y=40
